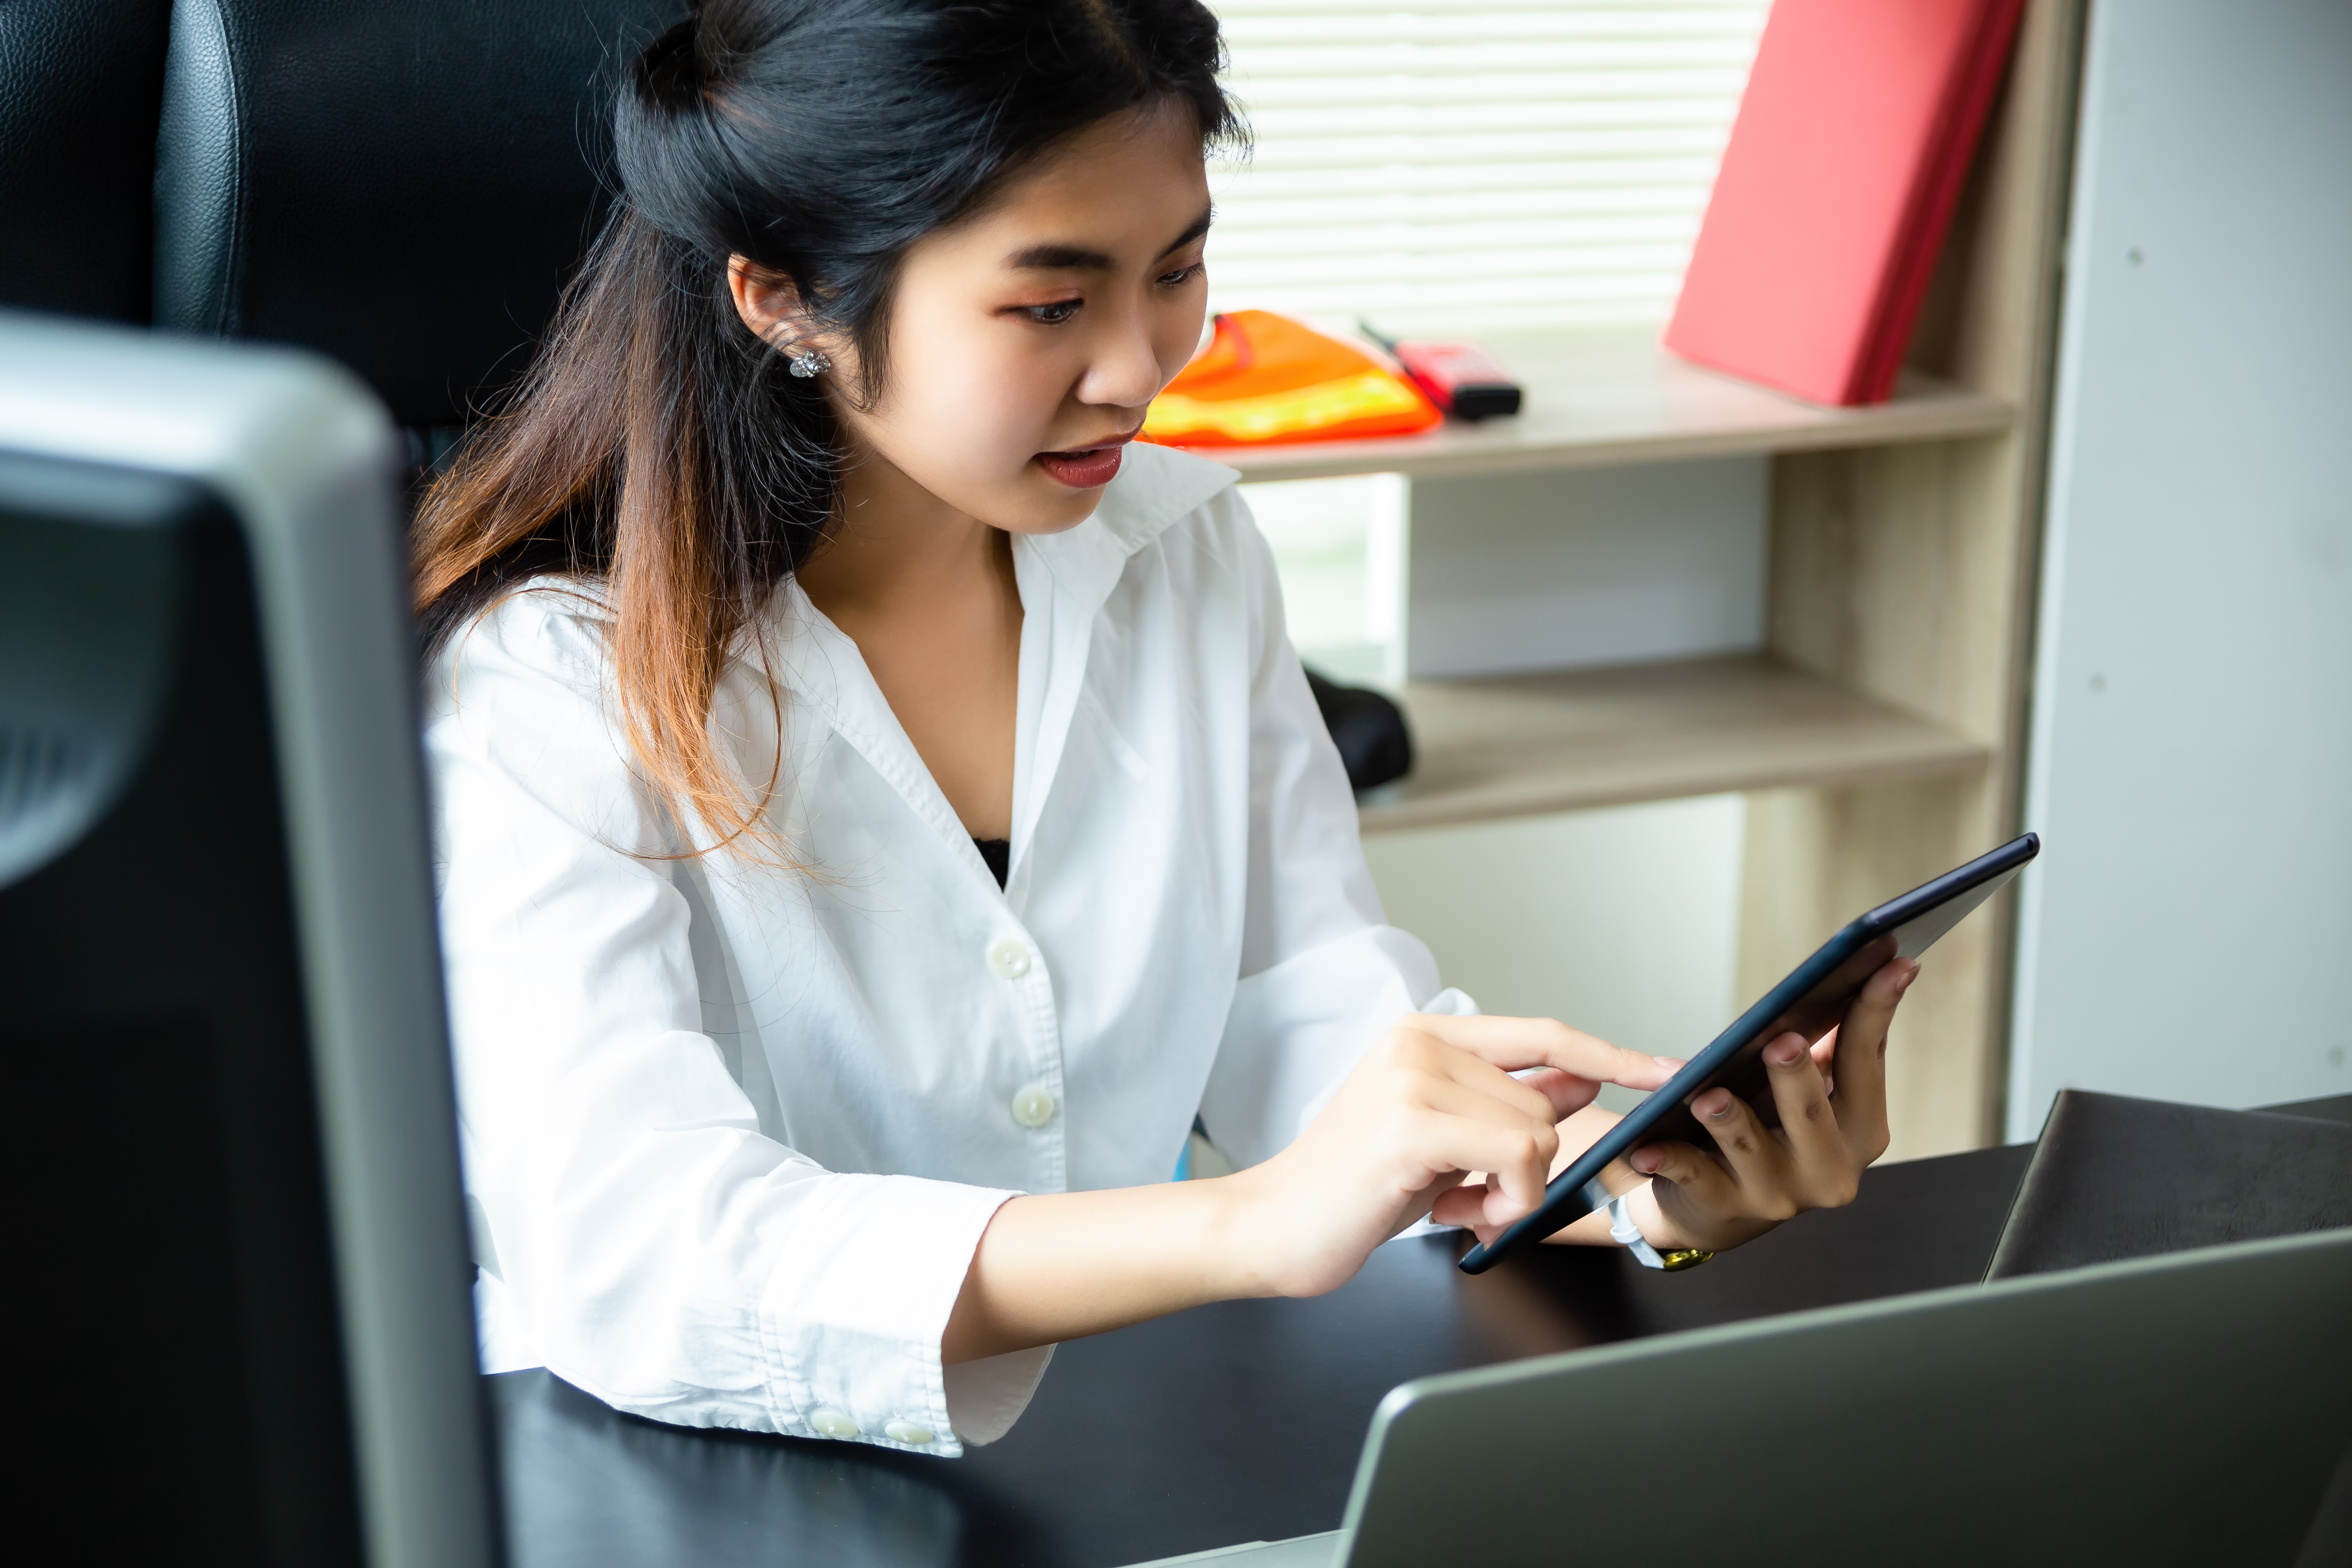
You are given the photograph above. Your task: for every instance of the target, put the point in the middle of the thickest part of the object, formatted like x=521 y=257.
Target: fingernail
x=1673 y=1064
x=1784 y=1053
x=1905 y=984
x=1643 y=1160
x=1721 y=1108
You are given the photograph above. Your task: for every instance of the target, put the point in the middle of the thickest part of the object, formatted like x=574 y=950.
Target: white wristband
x=1621 y=1228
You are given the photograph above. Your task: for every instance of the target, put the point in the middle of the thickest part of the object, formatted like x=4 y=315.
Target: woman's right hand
x=1432 y=1102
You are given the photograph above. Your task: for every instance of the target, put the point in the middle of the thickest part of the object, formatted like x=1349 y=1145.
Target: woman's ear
x=767 y=302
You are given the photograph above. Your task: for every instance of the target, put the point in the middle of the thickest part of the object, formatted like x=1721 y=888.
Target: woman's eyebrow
x=1051 y=258
x=1059 y=259
x=1193 y=231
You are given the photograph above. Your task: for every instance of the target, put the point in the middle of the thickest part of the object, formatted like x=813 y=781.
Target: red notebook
x=1850 y=146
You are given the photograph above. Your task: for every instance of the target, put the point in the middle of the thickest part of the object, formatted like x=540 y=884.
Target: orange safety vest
x=1265 y=378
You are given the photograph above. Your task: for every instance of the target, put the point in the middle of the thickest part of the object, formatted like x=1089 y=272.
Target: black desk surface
x=1230 y=1422
x=1235 y=1422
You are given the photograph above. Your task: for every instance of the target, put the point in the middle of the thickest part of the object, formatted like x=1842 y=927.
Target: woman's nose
x=1125 y=369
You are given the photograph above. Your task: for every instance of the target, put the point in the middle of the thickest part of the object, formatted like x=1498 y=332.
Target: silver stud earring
x=810 y=365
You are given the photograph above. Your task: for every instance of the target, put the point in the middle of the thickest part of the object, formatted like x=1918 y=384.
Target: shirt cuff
x=985 y=1397
x=853 y=1317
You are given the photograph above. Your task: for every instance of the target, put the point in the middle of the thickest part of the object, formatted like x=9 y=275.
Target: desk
x=1234 y=1422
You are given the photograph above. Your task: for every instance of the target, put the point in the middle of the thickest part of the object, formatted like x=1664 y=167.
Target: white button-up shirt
x=733 y=1132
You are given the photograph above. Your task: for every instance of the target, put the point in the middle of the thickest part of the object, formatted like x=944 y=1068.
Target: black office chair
x=80 y=85
x=404 y=184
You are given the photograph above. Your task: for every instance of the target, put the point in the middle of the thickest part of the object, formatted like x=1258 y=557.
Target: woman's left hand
x=1755 y=1177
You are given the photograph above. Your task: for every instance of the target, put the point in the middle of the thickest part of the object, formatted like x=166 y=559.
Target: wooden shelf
x=1523 y=744
x=1597 y=398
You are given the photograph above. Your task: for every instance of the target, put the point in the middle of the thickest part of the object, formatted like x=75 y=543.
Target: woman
x=879 y=808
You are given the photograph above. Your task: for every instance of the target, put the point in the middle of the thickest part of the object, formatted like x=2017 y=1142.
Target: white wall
x=2188 y=929
x=1586 y=566
x=1442 y=579
x=1624 y=922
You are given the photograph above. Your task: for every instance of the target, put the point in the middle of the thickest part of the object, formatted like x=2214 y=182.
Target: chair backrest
x=404 y=184
x=80 y=82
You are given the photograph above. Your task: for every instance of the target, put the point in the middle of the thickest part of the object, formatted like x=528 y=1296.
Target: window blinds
x=1486 y=162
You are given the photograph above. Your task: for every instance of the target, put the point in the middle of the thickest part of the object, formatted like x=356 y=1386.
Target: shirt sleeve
x=649 y=1243
x=1323 y=973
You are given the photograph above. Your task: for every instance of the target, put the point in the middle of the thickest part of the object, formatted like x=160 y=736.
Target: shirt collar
x=1065 y=579
x=1155 y=486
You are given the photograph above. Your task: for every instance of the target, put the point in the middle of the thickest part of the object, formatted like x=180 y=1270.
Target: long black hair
x=657 y=445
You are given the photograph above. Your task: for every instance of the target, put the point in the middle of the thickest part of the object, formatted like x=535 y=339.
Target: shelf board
x=1518 y=746
x=1604 y=396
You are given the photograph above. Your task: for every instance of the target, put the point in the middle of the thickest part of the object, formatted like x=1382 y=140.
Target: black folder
x=2115 y=1178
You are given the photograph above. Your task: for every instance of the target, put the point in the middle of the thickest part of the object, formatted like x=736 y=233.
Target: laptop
x=2189 y=1409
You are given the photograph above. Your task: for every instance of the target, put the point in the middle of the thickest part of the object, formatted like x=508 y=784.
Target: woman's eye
x=1182 y=275
x=1054 y=314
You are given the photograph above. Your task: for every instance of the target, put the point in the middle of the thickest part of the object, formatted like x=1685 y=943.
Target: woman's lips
x=1086 y=468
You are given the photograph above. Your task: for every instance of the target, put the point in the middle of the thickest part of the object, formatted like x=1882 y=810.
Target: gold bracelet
x=1683 y=1258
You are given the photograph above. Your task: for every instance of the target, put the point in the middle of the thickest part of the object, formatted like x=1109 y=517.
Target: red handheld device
x=1461 y=378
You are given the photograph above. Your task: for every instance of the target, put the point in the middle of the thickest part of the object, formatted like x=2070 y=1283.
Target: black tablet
x=1810 y=1001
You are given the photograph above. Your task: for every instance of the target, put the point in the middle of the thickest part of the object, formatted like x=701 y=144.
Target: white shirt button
x=1034 y=1106
x=906 y=1432
x=832 y=1423
x=1008 y=959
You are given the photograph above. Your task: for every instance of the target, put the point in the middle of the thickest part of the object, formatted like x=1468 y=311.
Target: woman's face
x=1025 y=343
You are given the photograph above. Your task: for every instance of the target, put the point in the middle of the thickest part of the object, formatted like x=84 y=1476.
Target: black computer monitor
x=240 y=1281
